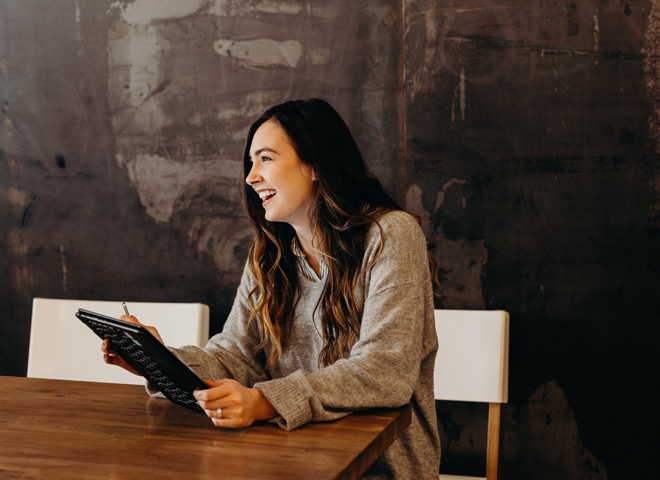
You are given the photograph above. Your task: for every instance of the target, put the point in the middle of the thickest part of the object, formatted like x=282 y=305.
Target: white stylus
x=125 y=309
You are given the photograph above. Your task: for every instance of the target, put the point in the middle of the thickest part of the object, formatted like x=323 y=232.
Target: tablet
x=142 y=351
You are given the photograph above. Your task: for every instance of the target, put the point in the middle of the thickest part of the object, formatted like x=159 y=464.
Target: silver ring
x=219 y=412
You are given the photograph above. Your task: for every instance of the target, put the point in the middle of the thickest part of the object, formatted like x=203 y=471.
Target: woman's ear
x=314 y=175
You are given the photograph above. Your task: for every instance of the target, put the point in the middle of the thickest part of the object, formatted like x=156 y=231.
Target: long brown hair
x=348 y=201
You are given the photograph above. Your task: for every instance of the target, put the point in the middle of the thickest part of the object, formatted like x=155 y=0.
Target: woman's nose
x=254 y=176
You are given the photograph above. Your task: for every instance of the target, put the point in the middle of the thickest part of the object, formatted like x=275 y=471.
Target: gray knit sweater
x=390 y=365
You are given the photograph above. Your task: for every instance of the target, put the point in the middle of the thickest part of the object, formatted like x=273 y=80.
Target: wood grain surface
x=65 y=429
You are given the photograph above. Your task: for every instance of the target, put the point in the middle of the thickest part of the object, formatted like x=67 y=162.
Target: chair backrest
x=62 y=347
x=472 y=363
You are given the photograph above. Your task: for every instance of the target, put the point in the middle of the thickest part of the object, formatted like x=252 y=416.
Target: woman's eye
x=265 y=159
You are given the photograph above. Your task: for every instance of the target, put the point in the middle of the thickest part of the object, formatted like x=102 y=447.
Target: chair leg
x=495 y=442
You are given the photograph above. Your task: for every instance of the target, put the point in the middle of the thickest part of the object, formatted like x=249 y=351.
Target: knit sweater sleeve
x=228 y=354
x=384 y=364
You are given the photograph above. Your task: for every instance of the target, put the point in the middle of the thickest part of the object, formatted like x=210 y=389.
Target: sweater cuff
x=153 y=390
x=292 y=405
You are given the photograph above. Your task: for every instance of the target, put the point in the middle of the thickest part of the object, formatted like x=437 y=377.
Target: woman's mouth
x=266 y=196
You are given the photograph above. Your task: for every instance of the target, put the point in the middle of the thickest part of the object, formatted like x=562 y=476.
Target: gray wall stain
x=460 y=261
x=168 y=153
x=565 y=456
x=261 y=52
x=122 y=128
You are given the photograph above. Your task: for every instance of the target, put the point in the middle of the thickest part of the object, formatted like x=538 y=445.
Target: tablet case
x=142 y=351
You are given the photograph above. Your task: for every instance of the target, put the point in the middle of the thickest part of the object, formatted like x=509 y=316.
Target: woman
x=334 y=312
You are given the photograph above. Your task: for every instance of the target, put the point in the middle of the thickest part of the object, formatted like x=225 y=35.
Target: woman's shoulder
x=397 y=222
x=397 y=226
x=396 y=251
x=398 y=219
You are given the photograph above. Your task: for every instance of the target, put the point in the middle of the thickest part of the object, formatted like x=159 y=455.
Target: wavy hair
x=348 y=201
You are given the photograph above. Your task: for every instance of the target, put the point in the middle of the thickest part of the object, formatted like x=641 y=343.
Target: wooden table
x=64 y=429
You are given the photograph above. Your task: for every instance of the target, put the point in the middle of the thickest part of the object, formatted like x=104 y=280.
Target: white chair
x=64 y=348
x=472 y=365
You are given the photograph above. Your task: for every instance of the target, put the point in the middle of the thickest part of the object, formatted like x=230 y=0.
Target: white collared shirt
x=304 y=266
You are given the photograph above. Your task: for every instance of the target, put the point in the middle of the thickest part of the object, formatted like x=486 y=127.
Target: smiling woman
x=334 y=312
x=283 y=182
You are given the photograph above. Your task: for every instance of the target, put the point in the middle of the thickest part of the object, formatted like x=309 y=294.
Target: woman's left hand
x=239 y=406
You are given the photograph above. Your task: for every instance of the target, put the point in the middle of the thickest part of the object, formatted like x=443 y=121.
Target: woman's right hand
x=111 y=357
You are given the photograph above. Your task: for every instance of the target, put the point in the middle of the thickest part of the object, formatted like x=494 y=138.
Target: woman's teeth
x=266 y=195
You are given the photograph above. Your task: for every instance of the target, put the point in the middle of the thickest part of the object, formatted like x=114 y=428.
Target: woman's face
x=284 y=183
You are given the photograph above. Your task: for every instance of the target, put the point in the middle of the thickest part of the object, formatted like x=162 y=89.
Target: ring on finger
x=219 y=412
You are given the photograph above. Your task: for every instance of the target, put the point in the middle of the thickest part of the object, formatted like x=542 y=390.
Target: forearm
x=336 y=391
x=382 y=370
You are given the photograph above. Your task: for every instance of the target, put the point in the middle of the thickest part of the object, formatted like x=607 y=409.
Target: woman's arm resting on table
x=382 y=371
x=397 y=338
x=240 y=406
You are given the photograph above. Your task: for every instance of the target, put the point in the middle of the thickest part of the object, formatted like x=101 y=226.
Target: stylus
x=125 y=309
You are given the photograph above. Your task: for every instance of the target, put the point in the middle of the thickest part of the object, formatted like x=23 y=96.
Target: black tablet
x=148 y=356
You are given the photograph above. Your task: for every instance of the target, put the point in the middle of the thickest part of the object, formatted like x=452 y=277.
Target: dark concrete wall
x=529 y=152
x=525 y=133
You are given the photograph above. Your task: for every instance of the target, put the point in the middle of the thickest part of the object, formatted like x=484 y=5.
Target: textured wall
x=525 y=133
x=123 y=125
x=529 y=152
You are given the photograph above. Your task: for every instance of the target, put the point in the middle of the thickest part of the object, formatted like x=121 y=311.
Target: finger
x=213 y=413
x=213 y=404
x=224 y=422
x=203 y=394
x=112 y=359
x=117 y=361
x=230 y=423
x=215 y=392
x=132 y=319
x=105 y=347
x=216 y=383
